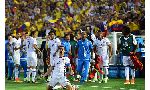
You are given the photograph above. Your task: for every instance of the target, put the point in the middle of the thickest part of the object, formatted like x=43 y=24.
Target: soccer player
x=23 y=58
x=32 y=48
x=53 y=45
x=57 y=71
x=17 y=47
x=84 y=48
x=103 y=49
x=67 y=45
x=127 y=44
x=10 y=58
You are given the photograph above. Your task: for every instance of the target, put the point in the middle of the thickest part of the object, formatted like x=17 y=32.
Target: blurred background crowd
x=69 y=16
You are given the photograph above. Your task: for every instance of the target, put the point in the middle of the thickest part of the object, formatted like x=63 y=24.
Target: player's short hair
x=52 y=31
x=126 y=30
x=32 y=33
x=61 y=46
x=67 y=34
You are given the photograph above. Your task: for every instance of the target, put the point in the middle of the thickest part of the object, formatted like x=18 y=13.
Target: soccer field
x=113 y=84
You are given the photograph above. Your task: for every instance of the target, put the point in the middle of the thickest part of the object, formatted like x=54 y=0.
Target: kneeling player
x=58 y=72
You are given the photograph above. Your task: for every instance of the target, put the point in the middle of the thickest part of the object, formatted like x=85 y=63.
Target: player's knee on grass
x=49 y=87
x=69 y=87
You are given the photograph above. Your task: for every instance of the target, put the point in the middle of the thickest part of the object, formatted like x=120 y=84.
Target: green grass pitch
x=113 y=84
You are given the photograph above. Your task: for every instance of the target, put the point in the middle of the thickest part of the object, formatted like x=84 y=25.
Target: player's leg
x=86 y=65
x=10 y=69
x=24 y=66
x=53 y=81
x=64 y=82
x=33 y=66
x=132 y=72
x=17 y=63
x=49 y=88
x=126 y=64
x=79 y=68
x=105 y=67
x=29 y=69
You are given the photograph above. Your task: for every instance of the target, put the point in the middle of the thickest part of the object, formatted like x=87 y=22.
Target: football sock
x=28 y=74
x=106 y=71
x=16 y=72
x=101 y=75
x=33 y=74
x=127 y=73
x=133 y=73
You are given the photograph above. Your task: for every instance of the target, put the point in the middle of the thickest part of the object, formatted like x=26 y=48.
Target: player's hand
x=132 y=53
x=117 y=51
x=110 y=55
x=43 y=75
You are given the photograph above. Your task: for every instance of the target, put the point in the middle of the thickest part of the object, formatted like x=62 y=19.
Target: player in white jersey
x=57 y=71
x=31 y=45
x=53 y=45
x=17 y=47
x=103 y=48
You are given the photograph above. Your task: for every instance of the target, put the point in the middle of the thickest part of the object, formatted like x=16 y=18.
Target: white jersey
x=17 y=44
x=59 y=65
x=102 y=46
x=53 y=45
x=30 y=41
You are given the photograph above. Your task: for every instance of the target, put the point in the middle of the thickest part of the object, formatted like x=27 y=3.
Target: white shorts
x=55 y=79
x=127 y=61
x=51 y=60
x=105 y=59
x=32 y=59
x=17 y=58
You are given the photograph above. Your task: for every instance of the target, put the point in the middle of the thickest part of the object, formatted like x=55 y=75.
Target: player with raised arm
x=103 y=49
x=32 y=48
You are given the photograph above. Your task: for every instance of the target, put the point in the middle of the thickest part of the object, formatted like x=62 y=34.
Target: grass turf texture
x=113 y=84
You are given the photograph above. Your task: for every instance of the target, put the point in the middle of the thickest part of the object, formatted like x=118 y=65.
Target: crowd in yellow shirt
x=66 y=16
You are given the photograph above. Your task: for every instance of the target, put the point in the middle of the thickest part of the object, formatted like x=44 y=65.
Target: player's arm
x=91 y=49
x=59 y=44
x=118 y=46
x=35 y=46
x=134 y=45
x=110 y=50
x=48 y=71
x=76 y=49
x=70 y=50
x=9 y=49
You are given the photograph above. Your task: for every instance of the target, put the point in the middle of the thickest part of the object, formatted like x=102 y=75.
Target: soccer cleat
x=101 y=81
x=9 y=78
x=34 y=82
x=18 y=80
x=105 y=80
x=132 y=81
x=25 y=79
x=127 y=82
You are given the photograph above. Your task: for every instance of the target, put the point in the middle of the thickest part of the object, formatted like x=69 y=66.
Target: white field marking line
x=107 y=87
x=132 y=89
x=122 y=89
x=94 y=86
